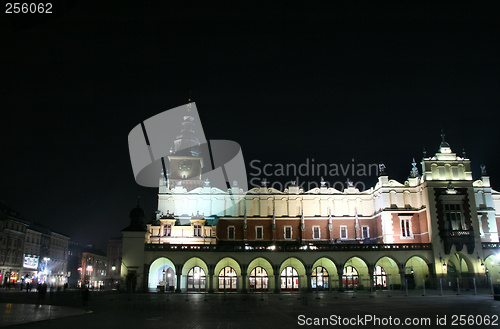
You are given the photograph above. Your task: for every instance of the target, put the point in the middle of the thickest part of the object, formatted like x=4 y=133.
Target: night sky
x=369 y=82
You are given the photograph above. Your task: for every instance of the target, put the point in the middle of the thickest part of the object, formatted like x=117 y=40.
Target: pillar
x=211 y=269
x=244 y=268
x=178 y=273
x=308 y=276
x=340 y=273
x=277 y=283
x=371 y=269
x=402 y=274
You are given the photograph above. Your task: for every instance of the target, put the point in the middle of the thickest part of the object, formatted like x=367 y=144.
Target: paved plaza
x=344 y=310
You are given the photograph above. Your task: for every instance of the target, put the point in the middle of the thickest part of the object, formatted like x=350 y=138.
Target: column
x=371 y=269
x=244 y=268
x=308 y=276
x=277 y=283
x=211 y=269
x=340 y=273
x=402 y=274
x=178 y=273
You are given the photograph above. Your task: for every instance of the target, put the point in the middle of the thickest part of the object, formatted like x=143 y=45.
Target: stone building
x=440 y=227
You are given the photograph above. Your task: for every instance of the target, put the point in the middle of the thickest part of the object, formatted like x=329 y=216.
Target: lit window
x=228 y=279
x=230 y=232
x=380 y=278
x=288 y=232
x=196 y=279
x=289 y=279
x=343 y=232
x=316 y=233
x=455 y=220
x=406 y=228
x=258 y=279
x=319 y=278
x=365 y=231
x=258 y=232
x=197 y=230
x=168 y=230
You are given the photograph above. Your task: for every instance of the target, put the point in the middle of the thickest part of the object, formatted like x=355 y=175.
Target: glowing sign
x=31 y=261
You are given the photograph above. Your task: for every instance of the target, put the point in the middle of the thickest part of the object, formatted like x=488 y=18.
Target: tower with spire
x=186 y=160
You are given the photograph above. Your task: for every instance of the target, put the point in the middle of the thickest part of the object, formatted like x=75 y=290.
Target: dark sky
x=369 y=82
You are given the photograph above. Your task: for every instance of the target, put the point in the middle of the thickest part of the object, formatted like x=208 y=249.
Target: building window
x=289 y=279
x=230 y=232
x=406 y=228
x=258 y=232
x=455 y=220
x=227 y=279
x=288 y=232
x=343 y=232
x=168 y=230
x=319 y=278
x=197 y=230
x=380 y=278
x=258 y=279
x=365 y=232
x=316 y=232
x=196 y=279
x=350 y=278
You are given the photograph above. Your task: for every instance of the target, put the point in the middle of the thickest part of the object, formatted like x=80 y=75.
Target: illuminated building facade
x=440 y=227
x=30 y=252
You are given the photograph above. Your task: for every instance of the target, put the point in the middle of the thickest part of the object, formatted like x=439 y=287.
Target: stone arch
x=267 y=266
x=391 y=269
x=492 y=269
x=188 y=265
x=416 y=271
x=459 y=270
x=223 y=263
x=330 y=266
x=361 y=267
x=299 y=266
x=162 y=273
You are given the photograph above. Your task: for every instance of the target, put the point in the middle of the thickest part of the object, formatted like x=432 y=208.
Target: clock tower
x=185 y=159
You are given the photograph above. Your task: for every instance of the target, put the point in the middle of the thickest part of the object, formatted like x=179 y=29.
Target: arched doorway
x=355 y=274
x=460 y=271
x=186 y=271
x=258 y=279
x=228 y=280
x=196 y=279
x=292 y=275
x=379 y=278
x=386 y=274
x=320 y=278
x=162 y=275
x=350 y=278
x=289 y=278
x=416 y=271
x=492 y=270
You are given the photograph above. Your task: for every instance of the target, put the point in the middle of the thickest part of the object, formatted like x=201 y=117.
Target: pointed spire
x=414 y=170
x=424 y=152
x=464 y=155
